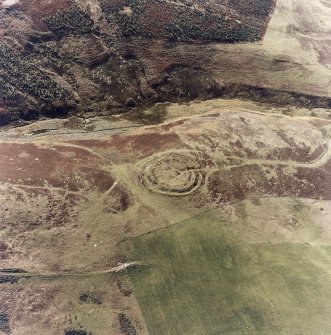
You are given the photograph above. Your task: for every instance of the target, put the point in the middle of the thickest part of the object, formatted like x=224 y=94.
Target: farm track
x=58 y=275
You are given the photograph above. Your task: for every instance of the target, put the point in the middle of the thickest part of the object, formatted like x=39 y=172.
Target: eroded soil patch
x=126 y=325
x=4 y=323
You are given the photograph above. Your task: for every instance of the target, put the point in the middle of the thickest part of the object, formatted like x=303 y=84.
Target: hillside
x=165 y=167
x=65 y=57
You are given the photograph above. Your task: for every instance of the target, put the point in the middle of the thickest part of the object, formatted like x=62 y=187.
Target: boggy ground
x=80 y=197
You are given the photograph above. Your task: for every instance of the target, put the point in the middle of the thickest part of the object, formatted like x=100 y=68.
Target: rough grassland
x=200 y=278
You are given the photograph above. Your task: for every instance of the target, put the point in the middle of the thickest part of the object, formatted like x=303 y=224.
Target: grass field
x=200 y=278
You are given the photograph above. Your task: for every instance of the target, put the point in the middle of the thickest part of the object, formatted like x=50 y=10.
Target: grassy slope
x=203 y=280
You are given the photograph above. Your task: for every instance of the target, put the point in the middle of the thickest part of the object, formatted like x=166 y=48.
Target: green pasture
x=199 y=278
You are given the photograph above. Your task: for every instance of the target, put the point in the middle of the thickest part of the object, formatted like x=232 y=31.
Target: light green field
x=200 y=279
